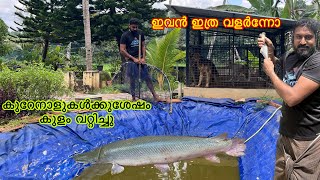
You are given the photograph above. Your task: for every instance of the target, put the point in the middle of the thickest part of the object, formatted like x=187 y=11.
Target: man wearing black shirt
x=298 y=146
x=129 y=48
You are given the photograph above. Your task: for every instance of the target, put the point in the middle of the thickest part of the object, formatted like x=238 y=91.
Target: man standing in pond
x=298 y=146
x=129 y=48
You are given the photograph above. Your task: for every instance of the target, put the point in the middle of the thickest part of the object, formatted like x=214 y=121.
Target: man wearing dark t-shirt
x=298 y=146
x=129 y=48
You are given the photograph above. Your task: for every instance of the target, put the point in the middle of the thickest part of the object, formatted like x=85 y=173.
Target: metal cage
x=223 y=59
x=230 y=57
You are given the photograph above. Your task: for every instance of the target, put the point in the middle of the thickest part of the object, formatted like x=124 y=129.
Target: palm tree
x=163 y=53
x=87 y=33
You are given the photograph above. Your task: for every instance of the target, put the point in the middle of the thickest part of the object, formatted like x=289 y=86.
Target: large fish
x=157 y=150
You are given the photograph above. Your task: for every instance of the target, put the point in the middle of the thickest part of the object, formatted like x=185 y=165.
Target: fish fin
x=213 y=158
x=222 y=136
x=162 y=167
x=185 y=164
x=116 y=169
x=237 y=148
x=95 y=170
x=176 y=165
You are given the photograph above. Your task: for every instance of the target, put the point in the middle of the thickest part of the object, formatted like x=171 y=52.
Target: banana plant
x=297 y=9
x=163 y=53
x=266 y=7
x=233 y=8
x=316 y=7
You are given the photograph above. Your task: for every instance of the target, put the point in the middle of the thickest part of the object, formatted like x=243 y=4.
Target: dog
x=239 y=71
x=204 y=66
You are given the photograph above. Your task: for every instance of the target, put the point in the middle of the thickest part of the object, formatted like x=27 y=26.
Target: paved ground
x=119 y=96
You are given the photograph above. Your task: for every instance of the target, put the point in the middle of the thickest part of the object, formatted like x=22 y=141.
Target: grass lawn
x=18 y=122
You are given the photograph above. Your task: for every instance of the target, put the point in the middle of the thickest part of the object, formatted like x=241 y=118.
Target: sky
x=7 y=7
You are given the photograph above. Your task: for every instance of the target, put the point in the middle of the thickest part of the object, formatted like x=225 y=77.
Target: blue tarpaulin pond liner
x=43 y=152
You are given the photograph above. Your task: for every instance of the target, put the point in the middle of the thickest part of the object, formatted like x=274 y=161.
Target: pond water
x=196 y=169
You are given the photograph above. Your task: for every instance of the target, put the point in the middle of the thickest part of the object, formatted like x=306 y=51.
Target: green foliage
x=293 y=9
x=58 y=21
x=48 y=22
x=77 y=60
x=106 y=53
x=233 y=8
x=99 y=58
x=55 y=56
x=25 y=52
x=3 y=30
x=31 y=53
x=105 y=76
x=297 y=9
x=34 y=82
x=108 y=90
x=14 y=64
x=316 y=6
x=111 y=18
x=2 y=65
x=265 y=7
x=163 y=53
x=254 y=61
x=3 y=36
x=6 y=93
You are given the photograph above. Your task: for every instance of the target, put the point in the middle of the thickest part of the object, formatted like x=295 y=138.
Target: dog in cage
x=239 y=70
x=200 y=66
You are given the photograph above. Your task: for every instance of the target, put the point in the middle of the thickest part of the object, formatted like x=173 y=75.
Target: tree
x=49 y=21
x=112 y=17
x=87 y=33
x=3 y=36
x=163 y=53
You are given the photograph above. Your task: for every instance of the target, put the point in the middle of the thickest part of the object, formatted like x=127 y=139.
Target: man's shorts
x=133 y=70
x=297 y=160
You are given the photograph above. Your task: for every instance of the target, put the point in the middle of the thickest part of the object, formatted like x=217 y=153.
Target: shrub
x=55 y=56
x=105 y=76
x=6 y=94
x=1 y=64
x=34 y=82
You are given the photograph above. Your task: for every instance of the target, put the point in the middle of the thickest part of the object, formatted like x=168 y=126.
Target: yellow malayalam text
x=62 y=106
x=209 y=23
x=86 y=119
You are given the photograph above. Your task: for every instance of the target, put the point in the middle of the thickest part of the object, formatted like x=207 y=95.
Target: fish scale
x=155 y=147
x=161 y=150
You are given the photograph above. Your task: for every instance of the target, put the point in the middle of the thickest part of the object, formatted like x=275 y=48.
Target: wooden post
x=69 y=79
x=91 y=79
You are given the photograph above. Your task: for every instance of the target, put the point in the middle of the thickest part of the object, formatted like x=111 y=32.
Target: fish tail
x=237 y=148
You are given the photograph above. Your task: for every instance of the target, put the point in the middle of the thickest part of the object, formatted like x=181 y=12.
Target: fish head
x=220 y=142
x=233 y=147
x=88 y=157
